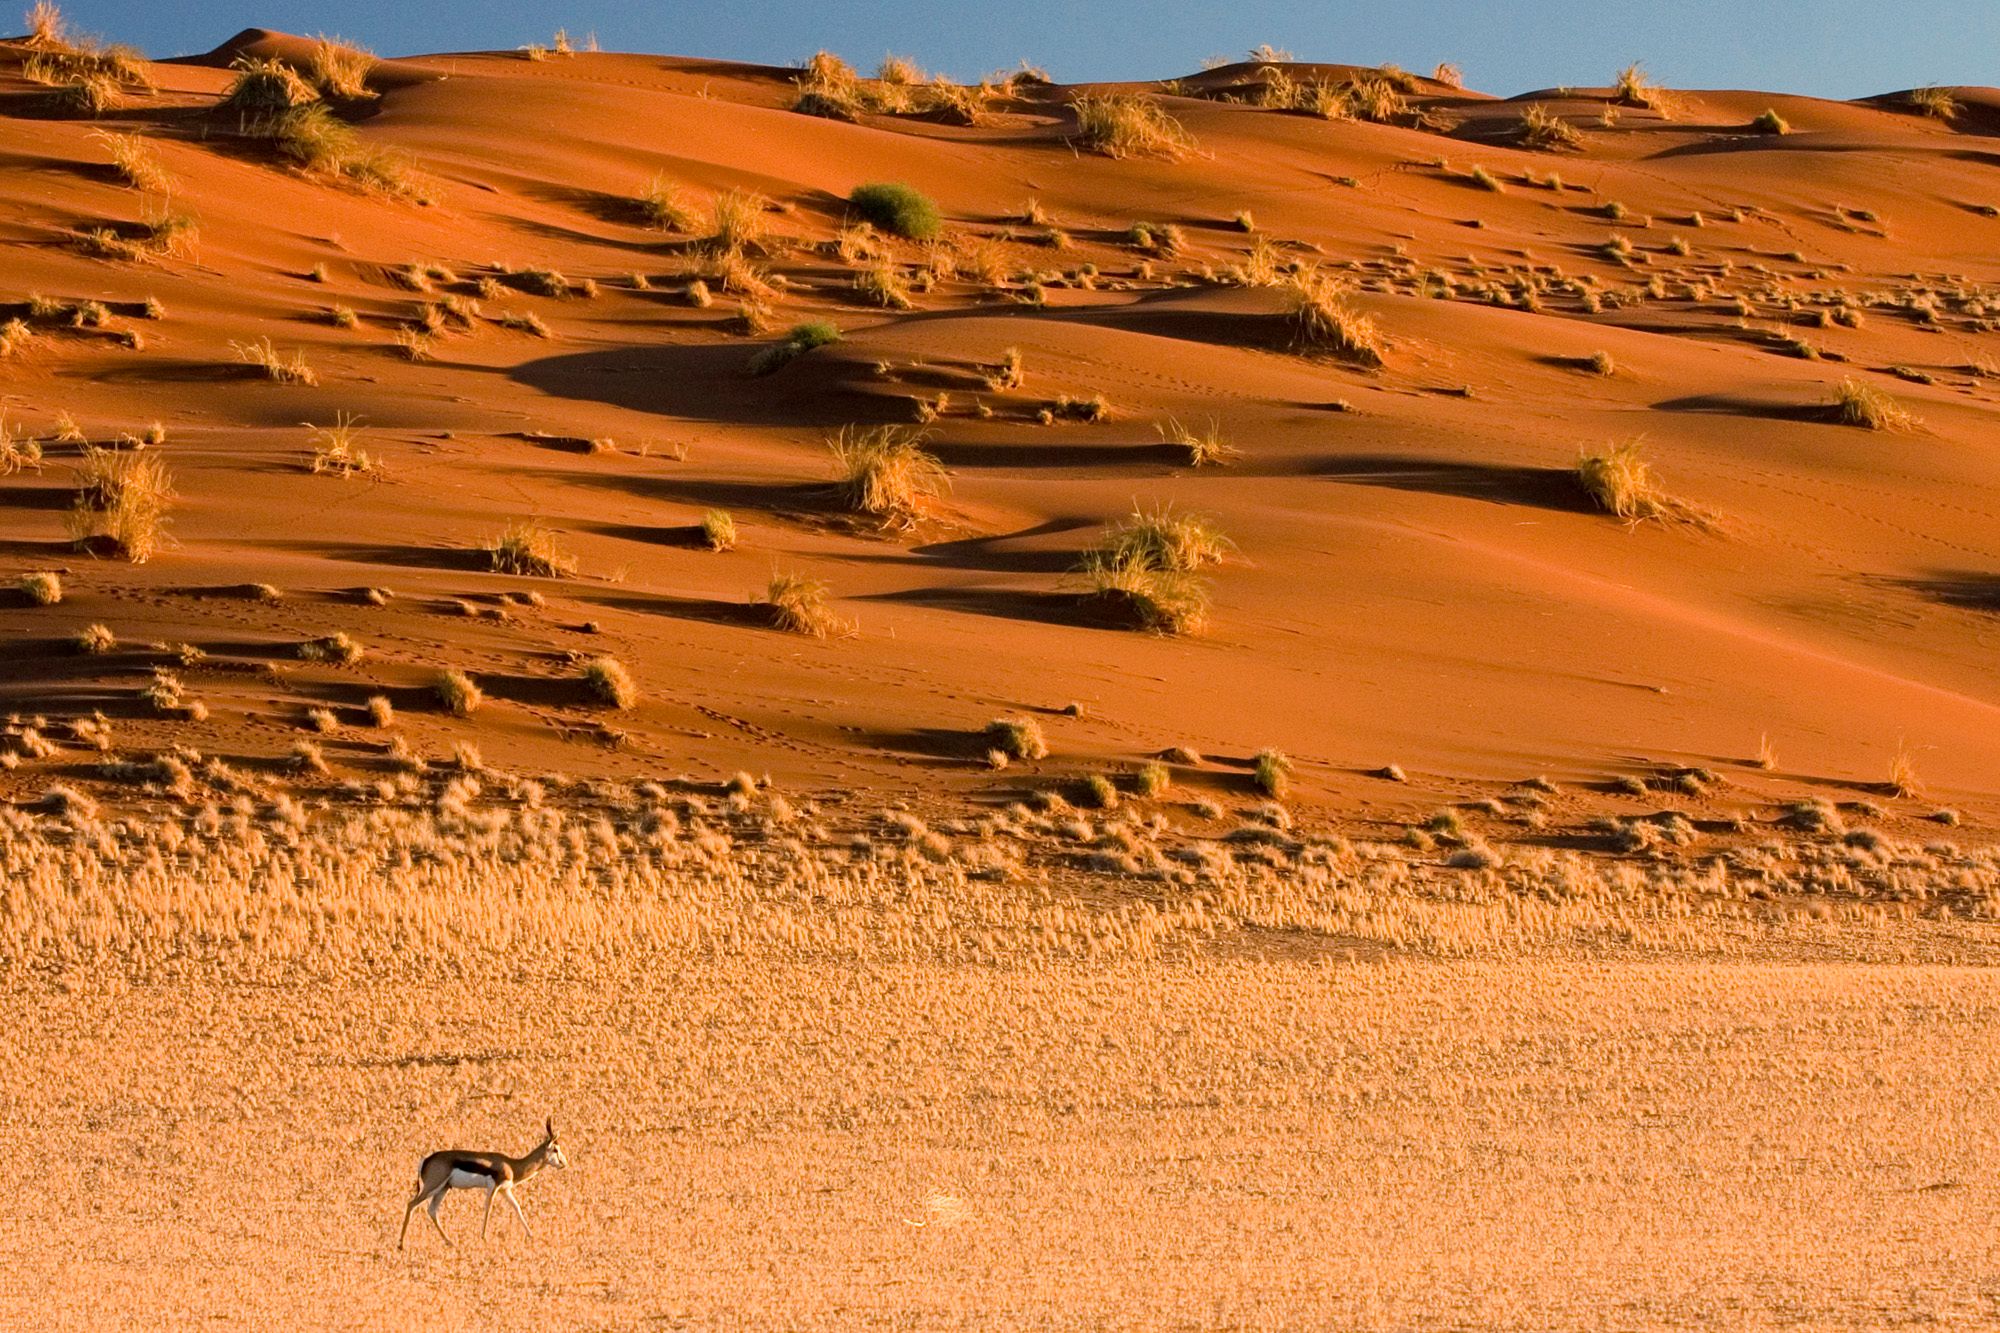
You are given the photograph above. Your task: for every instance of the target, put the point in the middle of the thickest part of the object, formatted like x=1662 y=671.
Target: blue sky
x=1833 y=48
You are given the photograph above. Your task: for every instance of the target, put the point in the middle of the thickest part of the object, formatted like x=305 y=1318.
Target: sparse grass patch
x=530 y=549
x=1770 y=122
x=1122 y=125
x=275 y=365
x=897 y=209
x=313 y=139
x=337 y=449
x=886 y=472
x=718 y=530
x=1323 y=321
x=133 y=161
x=609 y=683
x=1934 y=102
x=121 y=503
x=1016 y=737
x=1135 y=591
x=1858 y=404
x=663 y=207
x=457 y=693
x=42 y=587
x=1202 y=448
x=1163 y=539
x=1620 y=482
x=883 y=283
x=801 y=339
x=1271 y=772
x=95 y=640
x=1544 y=131
x=737 y=223
x=798 y=605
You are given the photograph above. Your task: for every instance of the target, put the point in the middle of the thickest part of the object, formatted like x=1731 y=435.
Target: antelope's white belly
x=470 y=1180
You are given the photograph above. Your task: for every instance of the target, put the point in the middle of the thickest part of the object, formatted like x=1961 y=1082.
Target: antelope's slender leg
x=517 y=1211
x=491 y=1190
x=437 y=1199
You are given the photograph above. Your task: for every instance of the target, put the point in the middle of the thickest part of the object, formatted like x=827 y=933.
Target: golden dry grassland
x=881 y=1090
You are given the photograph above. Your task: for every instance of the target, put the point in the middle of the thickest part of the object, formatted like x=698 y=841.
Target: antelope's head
x=554 y=1156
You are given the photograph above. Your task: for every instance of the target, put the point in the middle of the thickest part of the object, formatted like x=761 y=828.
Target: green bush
x=898 y=210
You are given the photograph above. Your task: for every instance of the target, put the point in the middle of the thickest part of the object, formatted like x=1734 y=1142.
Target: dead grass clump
x=1934 y=102
x=1375 y=98
x=1770 y=122
x=15 y=336
x=1201 y=448
x=312 y=138
x=457 y=693
x=718 y=530
x=121 y=503
x=829 y=87
x=530 y=549
x=610 y=683
x=336 y=448
x=798 y=605
x=663 y=207
x=1634 y=89
x=1544 y=131
x=266 y=87
x=275 y=365
x=1620 y=482
x=1121 y=126
x=1323 y=321
x=883 y=283
x=340 y=69
x=171 y=233
x=1903 y=779
x=885 y=472
x=1134 y=591
x=737 y=223
x=132 y=161
x=42 y=587
x=1180 y=543
x=1271 y=772
x=1857 y=404
x=1016 y=737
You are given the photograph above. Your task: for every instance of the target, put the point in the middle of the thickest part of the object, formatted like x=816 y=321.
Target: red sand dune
x=1419 y=581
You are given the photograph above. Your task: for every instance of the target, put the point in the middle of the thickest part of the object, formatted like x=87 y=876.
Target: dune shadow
x=990 y=555
x=1541 y=487
x=44 y=498
x=711 y=382
x=706 y=610
x=1960 y=588
x=1076 y=610
x=1057 y=454
x=688 y=536
x=1732 y=405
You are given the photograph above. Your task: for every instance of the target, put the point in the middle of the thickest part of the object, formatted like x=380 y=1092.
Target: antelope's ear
x=550 y=1126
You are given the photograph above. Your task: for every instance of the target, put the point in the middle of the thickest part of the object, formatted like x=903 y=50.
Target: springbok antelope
x=496 y=1173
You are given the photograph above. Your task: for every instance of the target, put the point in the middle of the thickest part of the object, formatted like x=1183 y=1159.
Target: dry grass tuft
x=664 y=208
x=457 y=693
x=718 y=530
x=798 y=605
x=530 y=549
x=1134 y=591
x=1271 y=772
x=1016 y=737
x=1323 y=321
x=275 y=365
x=336 y=448
x=1934 y=102
x=133 y=162
x=1203 y=447
x=121 y=504
x=1857 y=404
x=42 y=587
x=885 y=472
x=1180 y=543
x=738 y=223
x=1122 y=126
x=1634 y=89
x=1620 y=482
x=1544 y=131
x=609 y=683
